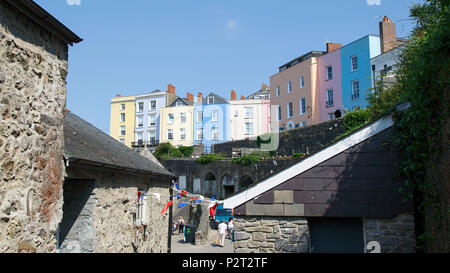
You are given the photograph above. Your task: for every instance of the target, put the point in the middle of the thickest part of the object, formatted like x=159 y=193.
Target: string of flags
x=193 y=198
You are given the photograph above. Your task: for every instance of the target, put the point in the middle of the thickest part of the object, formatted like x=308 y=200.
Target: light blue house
x=356 y=70
x=211 y=121
x=147 y=117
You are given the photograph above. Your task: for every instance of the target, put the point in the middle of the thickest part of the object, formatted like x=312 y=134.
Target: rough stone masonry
x=33 y=70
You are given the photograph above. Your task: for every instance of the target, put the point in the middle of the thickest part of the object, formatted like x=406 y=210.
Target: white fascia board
x=308 y=163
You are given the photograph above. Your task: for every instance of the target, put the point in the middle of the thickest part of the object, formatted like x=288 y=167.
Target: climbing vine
x=422 y=80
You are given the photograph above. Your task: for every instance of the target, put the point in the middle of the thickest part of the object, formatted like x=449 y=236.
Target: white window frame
x=139 y=124
x=249 y=128
x=328 y=97
x=279 y=112
x=214 y=115
x=151 y=106
x=303 y=123
x=122 y=106
x=182 y=133
x=291 y=124
x=302 y=82
x=183 y=117
x=139 y=107
x=289 y=87
x=169 y=134
x=140 y=134
x=290 y=110
x=353 y=90
x=199 y=116
x=208 y=100
x=150 y=133
x=122 y=140
x=302 y=104
x=199 y=134
x=150 y=120
x=329 y=77
x=356 y=63
x=248 y=112
x=215 y=132
x=278 y=91
x=123 y=130
x=170 y=118
x=122 y=117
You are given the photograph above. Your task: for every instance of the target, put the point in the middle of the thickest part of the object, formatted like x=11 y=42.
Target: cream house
x=176 y=123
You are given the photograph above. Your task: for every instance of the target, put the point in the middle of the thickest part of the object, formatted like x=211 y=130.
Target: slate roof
x=183 y=100
x=217 y=99
x=84 y=142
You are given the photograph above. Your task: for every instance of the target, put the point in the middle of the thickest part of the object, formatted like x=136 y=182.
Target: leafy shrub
x=355 y=119
x=246 y=160
x=207 y=158
x=174 y=152
x=187 y=151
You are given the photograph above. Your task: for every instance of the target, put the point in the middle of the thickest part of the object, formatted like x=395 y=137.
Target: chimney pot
x=233 y=95
x=171 y=89
x=388 y=37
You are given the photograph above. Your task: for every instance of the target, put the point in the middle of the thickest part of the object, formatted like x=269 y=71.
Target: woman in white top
x=230 y=227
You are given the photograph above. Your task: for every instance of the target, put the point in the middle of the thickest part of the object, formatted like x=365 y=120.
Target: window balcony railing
x=142 y=143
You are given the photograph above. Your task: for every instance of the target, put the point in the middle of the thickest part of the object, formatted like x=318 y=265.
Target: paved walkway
x=179 y=246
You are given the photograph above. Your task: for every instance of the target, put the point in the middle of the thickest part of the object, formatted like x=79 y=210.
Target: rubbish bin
x=189 y=233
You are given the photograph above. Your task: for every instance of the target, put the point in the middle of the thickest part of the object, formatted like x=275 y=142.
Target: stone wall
x=223 y=168
x=395 y=235
x=271 y=235
x=308 y=139
x=33 y=70
x=115 y=208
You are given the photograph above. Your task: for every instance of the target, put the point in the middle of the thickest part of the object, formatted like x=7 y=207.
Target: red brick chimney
x=242 y=97
x=171 y=89
x=332 y=46
x=199 y=97
x=233 y=95
x=388 y=38
x=118 y=95
x=190 y=97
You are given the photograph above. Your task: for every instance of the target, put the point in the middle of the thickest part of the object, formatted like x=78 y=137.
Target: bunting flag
x=183 y=193
x=177 y=195
x=176 y=185
x=166 y=207
x=198 y=201
x=212 y=209
x=182 y=205
x=213 y=197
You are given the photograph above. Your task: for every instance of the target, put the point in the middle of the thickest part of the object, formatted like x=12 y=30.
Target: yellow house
x=176 y=123
x=121 y=126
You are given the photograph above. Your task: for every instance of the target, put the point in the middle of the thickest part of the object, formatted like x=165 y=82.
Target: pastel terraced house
x=176 y=122
x=122 y=119
x=211 y=121
x=293 y=90
x=248 y=117
x=147 y=122
x=329 y=83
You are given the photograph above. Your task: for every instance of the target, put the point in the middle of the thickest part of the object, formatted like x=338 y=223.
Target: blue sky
x=133 y=47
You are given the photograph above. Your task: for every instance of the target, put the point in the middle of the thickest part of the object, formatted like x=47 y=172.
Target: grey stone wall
x=395 y=235
x=115 y=208
x=271 y=235
x=308 y=139
x=33 y=70
x=223 y=168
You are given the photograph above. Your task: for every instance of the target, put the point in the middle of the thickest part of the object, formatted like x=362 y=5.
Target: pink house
x=329 y=86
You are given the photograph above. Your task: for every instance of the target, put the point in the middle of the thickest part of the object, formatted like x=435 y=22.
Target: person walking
x=180 y=224
x=221 y=231
x=230 y=227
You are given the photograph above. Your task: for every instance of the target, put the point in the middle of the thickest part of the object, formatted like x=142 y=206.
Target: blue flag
x=182 y=205
x=176 y=185
x=213 y=197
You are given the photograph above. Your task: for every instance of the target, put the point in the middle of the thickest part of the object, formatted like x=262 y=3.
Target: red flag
x=166 y=207
x=212 y=210
x=183 y=193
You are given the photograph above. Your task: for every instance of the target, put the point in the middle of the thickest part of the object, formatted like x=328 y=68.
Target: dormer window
x=210 y=100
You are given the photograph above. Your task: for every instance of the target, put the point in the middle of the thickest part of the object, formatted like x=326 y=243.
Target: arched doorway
x=227 y=186
x=245 y=182
x=210 y=185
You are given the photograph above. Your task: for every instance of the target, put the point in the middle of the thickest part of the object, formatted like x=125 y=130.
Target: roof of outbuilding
x=39 y=15
x=84 y=142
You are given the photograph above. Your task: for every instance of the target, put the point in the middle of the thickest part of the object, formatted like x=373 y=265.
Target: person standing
x=180 y=225
x=221 y=230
